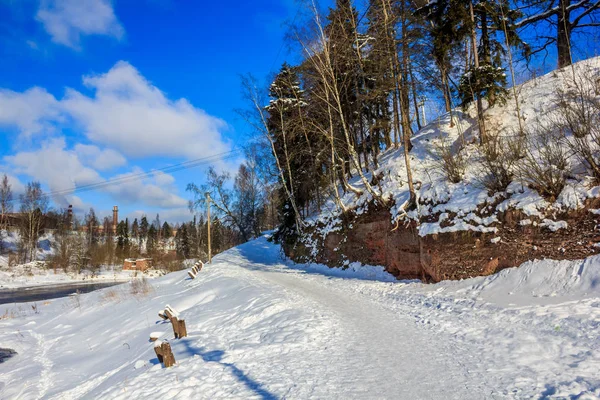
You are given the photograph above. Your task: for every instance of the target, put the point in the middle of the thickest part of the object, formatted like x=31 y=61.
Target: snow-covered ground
x=263 y=328
x=35 y=274
x=468 y=205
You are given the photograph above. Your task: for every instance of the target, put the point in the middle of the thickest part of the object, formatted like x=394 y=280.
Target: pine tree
x=166 y=230
x=489 y=79
x=152 y=241
x=122 y=240
x=182 y=242
x=143 y=232
x=135 y=231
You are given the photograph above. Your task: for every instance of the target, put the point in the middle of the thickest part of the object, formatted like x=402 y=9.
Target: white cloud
x=127 y=113
x=135 y=117
x=62 y=170
x=100 y=159
x=67 y=20
x=153 y=191
x=32 y=111
x=55 y=166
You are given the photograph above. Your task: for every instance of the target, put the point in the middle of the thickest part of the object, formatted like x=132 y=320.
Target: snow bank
x=260 y=327
x=549 y=281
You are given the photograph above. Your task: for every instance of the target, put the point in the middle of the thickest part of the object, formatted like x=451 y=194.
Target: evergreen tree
x=166 y=230
x=143 y=231
x=135 y=231
x=122 y=240
x=152 y=241
x=182 y=242
x=489 y=79
x=193 y=238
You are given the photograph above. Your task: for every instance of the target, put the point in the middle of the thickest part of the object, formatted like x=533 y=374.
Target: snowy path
x=372 y=351
x=259 y=328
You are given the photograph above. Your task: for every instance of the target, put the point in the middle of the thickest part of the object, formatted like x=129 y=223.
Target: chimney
x=70 y=217
x=115 y=219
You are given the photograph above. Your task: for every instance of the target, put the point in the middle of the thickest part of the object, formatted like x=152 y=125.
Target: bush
x=452 y=163
x=499 y=160
x=578 y=118
x=140 y=287
x=545 y=165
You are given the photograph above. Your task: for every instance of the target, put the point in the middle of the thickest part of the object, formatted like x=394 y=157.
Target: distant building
x=140 y=264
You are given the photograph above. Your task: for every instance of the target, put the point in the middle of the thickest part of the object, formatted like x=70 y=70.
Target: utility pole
x=208 y=225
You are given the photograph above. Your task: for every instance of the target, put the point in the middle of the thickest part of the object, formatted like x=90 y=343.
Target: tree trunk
x=563 y=39
x=480 y=118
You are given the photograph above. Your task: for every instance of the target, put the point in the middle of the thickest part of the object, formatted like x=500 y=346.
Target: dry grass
x=7 y=315
x=112 y=295
x=140 y=287
x=452 y=163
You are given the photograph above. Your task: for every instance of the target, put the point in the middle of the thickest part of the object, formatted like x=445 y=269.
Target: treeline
x=90 y=242
x=363 y=78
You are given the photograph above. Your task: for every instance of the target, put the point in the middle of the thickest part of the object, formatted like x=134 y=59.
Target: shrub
x=452 y=163
x=578 y=118
x=140 y=287
x=499 y=160
x=545 y=166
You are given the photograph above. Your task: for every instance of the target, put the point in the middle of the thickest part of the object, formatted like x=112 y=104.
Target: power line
x=142 y=175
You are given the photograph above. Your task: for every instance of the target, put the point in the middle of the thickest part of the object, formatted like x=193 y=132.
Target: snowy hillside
x=455 y=206
x=526 y=194
x=263 y=328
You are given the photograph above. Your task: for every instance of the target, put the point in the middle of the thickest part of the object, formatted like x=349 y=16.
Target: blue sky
x=91 y=90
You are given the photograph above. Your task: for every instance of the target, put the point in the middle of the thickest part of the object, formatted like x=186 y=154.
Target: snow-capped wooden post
x=179 y=328
x=164 y=353
x=196 y=269
x=199 y=266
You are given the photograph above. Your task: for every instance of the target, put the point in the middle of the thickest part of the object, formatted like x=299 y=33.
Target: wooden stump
x=164 y=353
x=167 y=313
x=179 y=328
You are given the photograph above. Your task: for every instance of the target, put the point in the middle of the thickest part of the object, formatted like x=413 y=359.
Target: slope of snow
x=260 y=327
x=438 y=197
x=35 y=274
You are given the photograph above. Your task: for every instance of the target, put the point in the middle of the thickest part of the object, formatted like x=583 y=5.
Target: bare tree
x=564 y=17
x=257 y=118
x=6 y=207
x=34 y=205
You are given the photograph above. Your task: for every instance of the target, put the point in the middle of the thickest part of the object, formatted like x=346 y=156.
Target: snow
x=262 y=327
x=451 y=202
x=36 y=274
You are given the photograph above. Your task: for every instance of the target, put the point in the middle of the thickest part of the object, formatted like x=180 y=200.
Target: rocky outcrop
x=370 y=238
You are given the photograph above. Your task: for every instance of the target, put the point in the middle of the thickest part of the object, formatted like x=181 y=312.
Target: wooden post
x=164 y=353
x=179 y=328
x=208 y=225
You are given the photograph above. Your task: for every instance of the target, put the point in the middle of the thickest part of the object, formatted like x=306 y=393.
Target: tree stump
x=179 y=328
x=164 y=353
x=167 y=313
